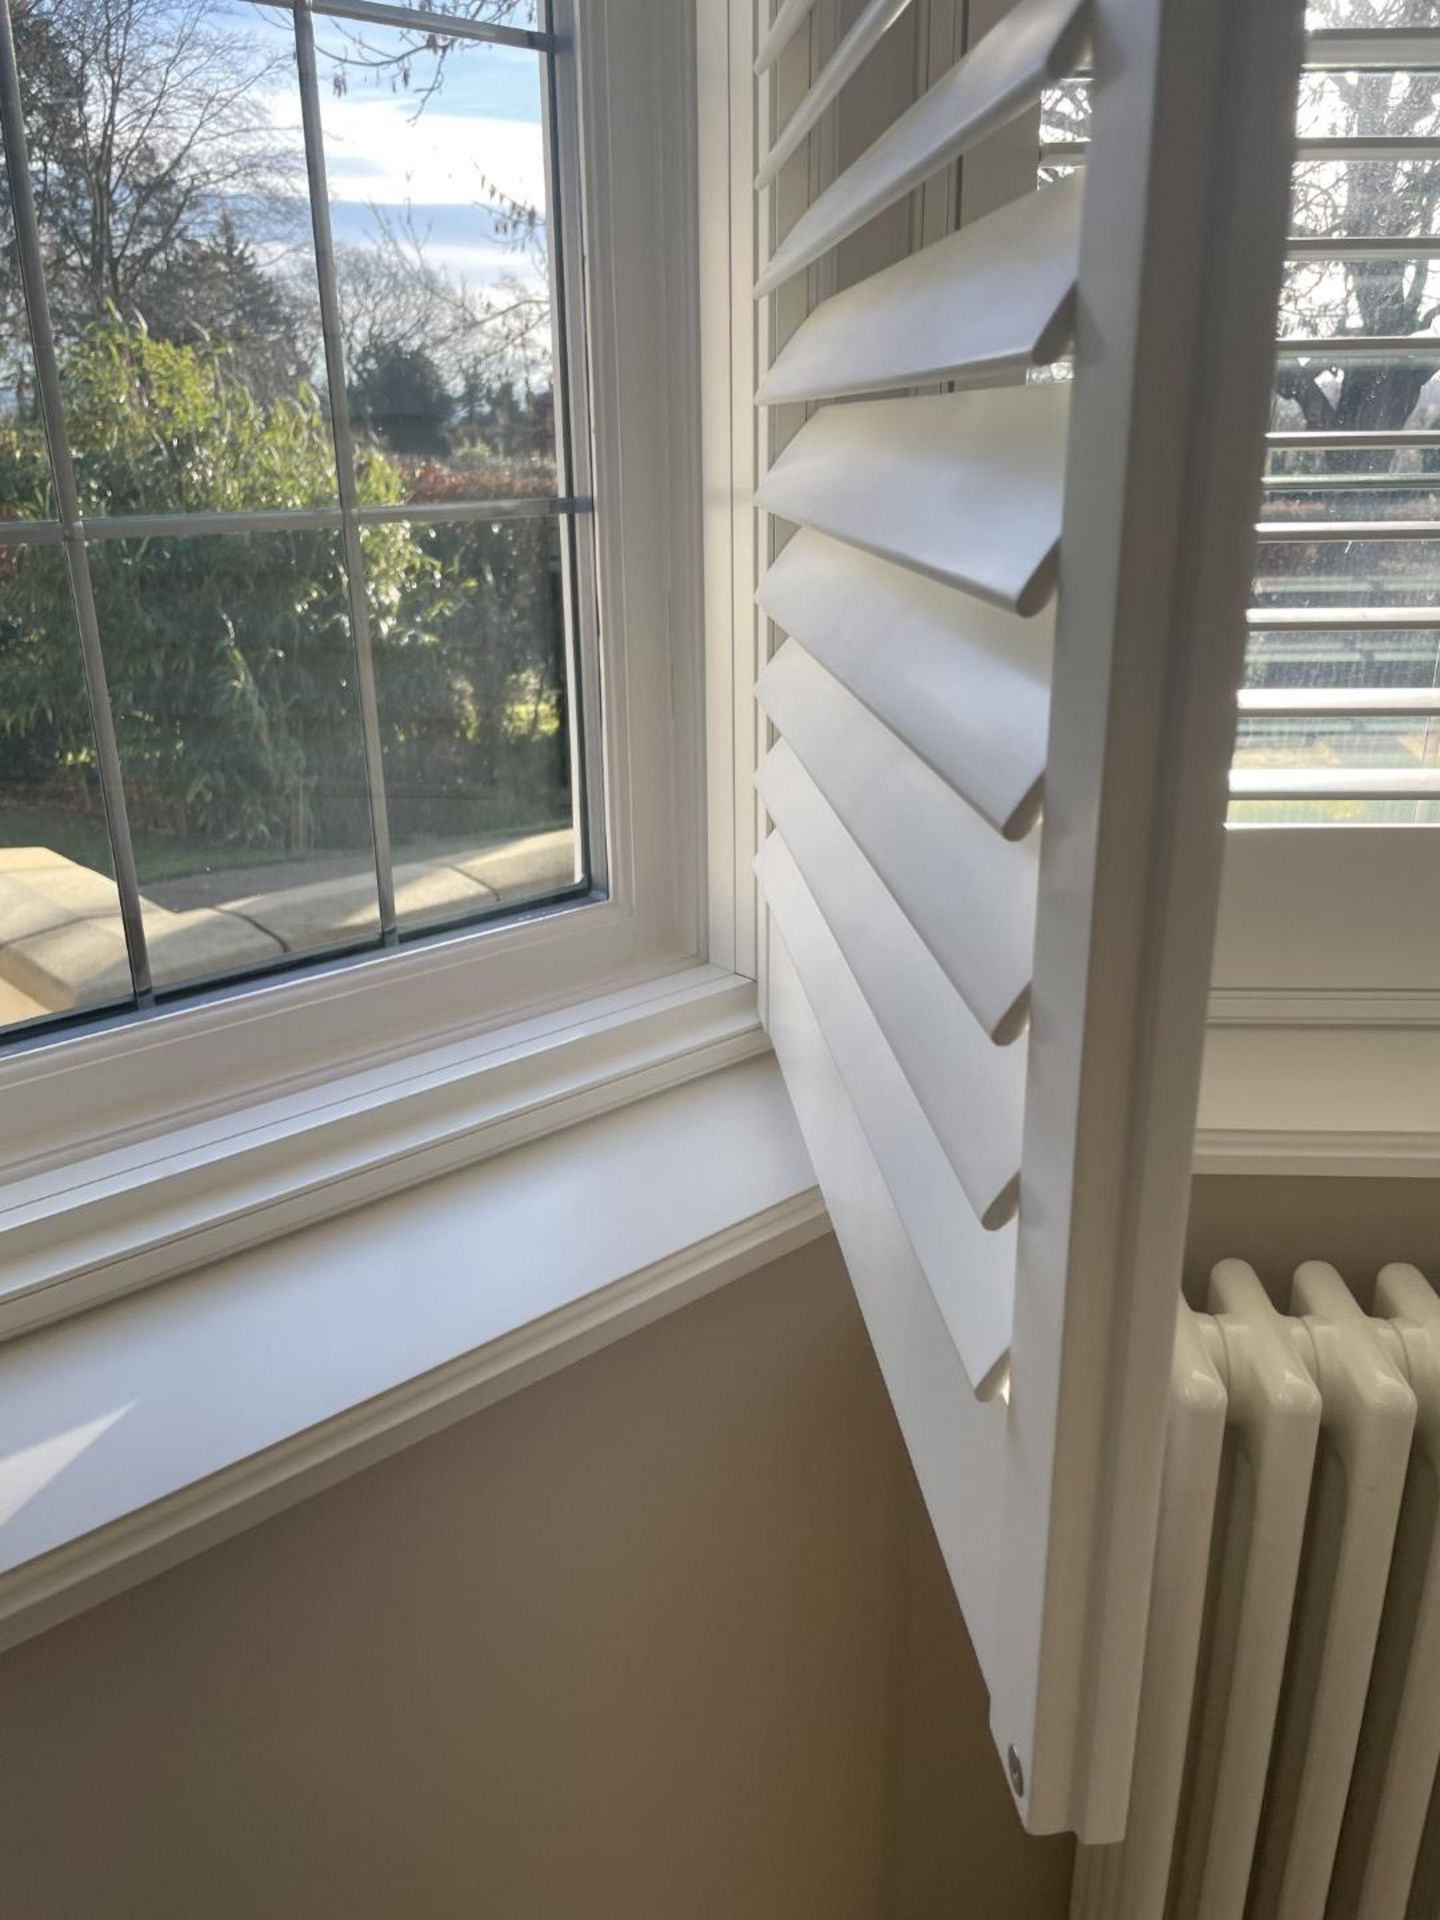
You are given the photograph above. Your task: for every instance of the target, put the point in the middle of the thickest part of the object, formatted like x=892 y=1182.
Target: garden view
x=168 y=168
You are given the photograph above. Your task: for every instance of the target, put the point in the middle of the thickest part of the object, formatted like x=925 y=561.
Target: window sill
x=1360 y=1100
x=82 y=1230
x=156 y=1425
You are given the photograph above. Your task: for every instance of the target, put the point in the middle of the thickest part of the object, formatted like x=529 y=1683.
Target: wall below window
x=666 y=1634
x=1276 y=1222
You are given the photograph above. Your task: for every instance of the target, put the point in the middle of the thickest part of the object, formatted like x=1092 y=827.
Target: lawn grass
x=161 y=857
x=85 y=839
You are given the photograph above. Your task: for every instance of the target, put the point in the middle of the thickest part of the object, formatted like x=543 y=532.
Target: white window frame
x=1330 y=926
x=97 y=1112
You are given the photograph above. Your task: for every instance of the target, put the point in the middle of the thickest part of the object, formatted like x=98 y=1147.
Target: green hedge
x=230 y=661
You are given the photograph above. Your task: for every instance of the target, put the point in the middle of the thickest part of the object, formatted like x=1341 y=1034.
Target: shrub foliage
x=230 y=658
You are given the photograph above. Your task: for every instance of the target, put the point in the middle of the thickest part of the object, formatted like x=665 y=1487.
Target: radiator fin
x=1289 y=1722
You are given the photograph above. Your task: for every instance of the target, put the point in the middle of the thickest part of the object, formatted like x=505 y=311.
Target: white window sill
x=151 y=1427
x=1298 y=1098
x=178 y=1192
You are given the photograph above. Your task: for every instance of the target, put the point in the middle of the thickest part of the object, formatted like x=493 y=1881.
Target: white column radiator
x=1290 y=1713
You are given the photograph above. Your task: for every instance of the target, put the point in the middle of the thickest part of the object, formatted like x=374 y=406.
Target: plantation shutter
x=1007 y=610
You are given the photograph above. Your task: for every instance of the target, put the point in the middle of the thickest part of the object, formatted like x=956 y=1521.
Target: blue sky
x=426 y=163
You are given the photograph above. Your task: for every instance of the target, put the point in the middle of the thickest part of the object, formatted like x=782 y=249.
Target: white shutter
x=995 y=811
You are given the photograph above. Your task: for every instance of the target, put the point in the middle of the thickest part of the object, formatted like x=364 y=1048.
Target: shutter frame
x=1050 y=1541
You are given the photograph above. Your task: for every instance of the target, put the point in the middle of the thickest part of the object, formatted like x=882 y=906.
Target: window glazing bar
x=1350 y=482
x=1334 y=783
x=1340 y=702
x=67 y=500
x=440 y=512
x=201 y=526
x=31 y=533
x=1360 y=346
x=445 y=26
x=1353 y=49
x=345 y=465
x=1374 y=246
x=1384 y=147
x=1341 y=619
x=1354 y=439
x=1349 y=146
x=1309 y=532
x=560 y=108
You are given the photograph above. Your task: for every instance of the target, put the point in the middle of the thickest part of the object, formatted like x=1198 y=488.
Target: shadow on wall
x=664 y=1635
x=1358 y=1225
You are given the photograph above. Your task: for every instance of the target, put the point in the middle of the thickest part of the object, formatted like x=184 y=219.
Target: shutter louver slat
x=782 y=31
x=965 y=487
x=971 y=1091
x=970 y=1271
x=990 y=301
x=964 y=685
x=969 y=894
x=871 y=25
x=1003 y=76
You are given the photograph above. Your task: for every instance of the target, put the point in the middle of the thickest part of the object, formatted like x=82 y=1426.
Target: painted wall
x=1275 y=1223
x=664 y=1636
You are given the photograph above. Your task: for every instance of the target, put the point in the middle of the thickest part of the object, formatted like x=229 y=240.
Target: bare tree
x=392 y=295
x=160 y=137
x=1354 y=201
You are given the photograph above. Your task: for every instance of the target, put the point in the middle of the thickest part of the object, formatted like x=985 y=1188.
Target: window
x=1339 y=708
x=1331 y=907
x=297 y=634
x=1339 y=712
x=599 y=556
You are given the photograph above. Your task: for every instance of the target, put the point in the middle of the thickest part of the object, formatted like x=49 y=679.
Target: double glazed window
x=1340 y=711
x=293 y=513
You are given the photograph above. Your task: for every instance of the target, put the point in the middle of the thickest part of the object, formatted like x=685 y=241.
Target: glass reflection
x=232 y=679
x=474 y=714
x=435 y=157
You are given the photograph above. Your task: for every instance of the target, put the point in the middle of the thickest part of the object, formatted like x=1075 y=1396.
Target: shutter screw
x=1017 y=1772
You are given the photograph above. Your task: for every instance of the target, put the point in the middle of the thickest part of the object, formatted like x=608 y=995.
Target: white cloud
x=378 y=152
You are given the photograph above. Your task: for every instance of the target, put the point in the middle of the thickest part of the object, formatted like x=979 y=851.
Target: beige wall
x=665 y=1637
x=1356 y=1224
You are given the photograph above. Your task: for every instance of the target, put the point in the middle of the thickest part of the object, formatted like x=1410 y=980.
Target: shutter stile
x=996 y=765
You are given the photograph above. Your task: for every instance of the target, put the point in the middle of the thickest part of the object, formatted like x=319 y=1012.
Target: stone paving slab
x=17 y=1007
x=38 y=894
x=323 y=913
x=62 y=944
x=84 y=962
x=538 y=863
